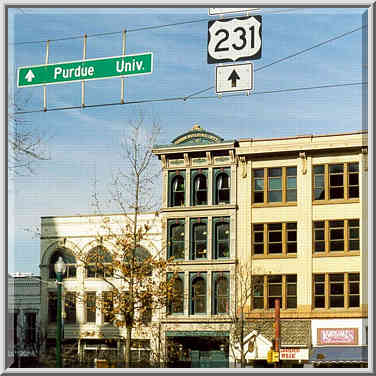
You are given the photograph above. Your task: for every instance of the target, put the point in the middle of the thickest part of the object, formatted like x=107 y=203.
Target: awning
x=337 y=354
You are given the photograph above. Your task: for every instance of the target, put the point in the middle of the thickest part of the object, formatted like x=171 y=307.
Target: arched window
x=198 y=294
x=177 y=305
x=200 y=190
x=141 y=260
x=70 y=262
x=221 y=294
x=177 y=191
x=99 y=263
x=222 y=194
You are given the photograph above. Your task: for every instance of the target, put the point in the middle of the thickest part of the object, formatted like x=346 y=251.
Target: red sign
x=337 y=336
x=293 y=354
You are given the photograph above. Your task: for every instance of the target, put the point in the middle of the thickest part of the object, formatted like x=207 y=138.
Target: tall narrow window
x=319 y=182
x=336 y=236
x=336 y=290
x=70 y=307
x=275 y=184
x=199 y=187
x=353 y=184
x=91 y=305
x=336 y=181
x=176 y=239
x=274 y=238
x=291 y=237
x=354 y=290
x=177 y=304
x=274 y=289
x=291 y=291
x=221 y=293
x=258 y=239
x=258 y=185
x=146 y=310
x=258 y=292
x=291 y=184
x=108 y=306
x=198 y=295
x=199 y=239
x=222 y=239
x=177 y=188
x=354 y=242
x=319 y=291
x=319 y=236
x=222 y=186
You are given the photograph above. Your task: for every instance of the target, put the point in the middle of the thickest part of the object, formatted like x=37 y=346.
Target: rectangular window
x=338 y=181
x=275 y=239
x=31 y=327
x=91 y=306
x=222 y=185
x=70 y=307
x=52 y=307
x=108 y=306
x=335 y=236
x=279 y=183
x=221 y=227
x=336 y=290
x=266 y=289
x=221 y=285
x=176 y=238
x=199 y=238
x=146 y=309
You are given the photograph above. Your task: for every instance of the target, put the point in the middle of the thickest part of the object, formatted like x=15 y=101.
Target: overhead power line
x=184 y=98
x=140 y=29
x=288 y=57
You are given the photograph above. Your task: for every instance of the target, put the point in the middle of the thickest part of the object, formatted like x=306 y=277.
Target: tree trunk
x=242 y=355
x=128 y=342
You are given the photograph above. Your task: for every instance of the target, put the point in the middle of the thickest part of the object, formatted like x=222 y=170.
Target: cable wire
x=184 y=98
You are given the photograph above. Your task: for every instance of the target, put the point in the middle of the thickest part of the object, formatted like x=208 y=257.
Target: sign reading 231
x=234 y=39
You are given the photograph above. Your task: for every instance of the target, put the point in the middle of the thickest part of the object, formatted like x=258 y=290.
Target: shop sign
x=293 y=353
x=337 y=336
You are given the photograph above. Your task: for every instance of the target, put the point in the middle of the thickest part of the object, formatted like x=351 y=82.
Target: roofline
x=95 y=215
x=302 y=136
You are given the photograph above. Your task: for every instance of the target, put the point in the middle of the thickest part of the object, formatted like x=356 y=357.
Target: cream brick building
x=293 y=209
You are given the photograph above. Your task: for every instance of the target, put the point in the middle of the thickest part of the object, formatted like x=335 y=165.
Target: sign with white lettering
x=293 y=353
x=89 y=69
x=337 y=336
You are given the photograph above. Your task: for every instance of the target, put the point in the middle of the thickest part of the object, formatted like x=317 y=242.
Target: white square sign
x=236 y=77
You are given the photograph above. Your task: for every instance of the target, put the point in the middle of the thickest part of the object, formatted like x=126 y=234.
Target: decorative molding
x=365 y=158
x=209 y=157
x=186 y=159
x=243 y=163
x=303 y=157
x=164 y=162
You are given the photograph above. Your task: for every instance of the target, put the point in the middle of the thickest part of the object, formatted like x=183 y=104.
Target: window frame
x=216 y=277
x=31 y=327
x=69 y=260
x=193 y=242
x=196 y=174
x=193 y=277
x=266 y=187
x=284 y=241
x=70 y=297
x=171 y=192
x=328 y=294
x=264 y=287
x=347 y=226
x=181 y=277
x=107 y=272
x=171 y=223
x=346 y=183
x=217 y=172
x=216 y=222
x=89 y=304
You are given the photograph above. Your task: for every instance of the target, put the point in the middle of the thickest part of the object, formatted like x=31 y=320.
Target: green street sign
x=90 y=69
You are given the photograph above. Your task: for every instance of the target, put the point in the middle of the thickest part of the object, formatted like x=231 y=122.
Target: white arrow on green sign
x=90 y=69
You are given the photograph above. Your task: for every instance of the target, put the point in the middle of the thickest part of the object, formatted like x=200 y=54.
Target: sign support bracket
x=122 y=79
x=45 y=86
x=83 y=82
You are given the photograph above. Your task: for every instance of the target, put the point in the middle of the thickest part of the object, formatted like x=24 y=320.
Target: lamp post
x=60 y=268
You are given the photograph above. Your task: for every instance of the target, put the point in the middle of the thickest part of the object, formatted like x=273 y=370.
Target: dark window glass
x=258 y=292
x=176 y=242
x=177 y=305
x=274 y=289
x=291 y=183
x=222 y=240
x=258 y=185
x=199 y=241
x=91 y=306
x=223 y=189
x=200 y=190
x=275 y=184
x=99 y=263
x=336 y=181
x=70 y=263
x=198 y=295
x=70 y=307
x=336 y=290
x=221 y=295
x=52 y=306
x=31 y=327
x=177 y=191
x=319 y=291
x=146 y=310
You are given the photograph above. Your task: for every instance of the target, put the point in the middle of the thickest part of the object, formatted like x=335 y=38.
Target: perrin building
x=251 y=221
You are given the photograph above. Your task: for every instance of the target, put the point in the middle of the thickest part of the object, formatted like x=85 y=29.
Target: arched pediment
x=64 y=245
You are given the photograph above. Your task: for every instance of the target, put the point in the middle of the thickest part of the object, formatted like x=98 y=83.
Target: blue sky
x=84 y=144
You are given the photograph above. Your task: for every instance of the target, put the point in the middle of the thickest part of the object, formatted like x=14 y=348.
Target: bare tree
x=138 y=281
x=26 y=144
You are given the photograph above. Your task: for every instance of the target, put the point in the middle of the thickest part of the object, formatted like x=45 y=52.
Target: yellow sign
x=269 y=358
x=275 y=356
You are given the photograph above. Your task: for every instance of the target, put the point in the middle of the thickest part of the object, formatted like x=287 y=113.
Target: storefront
x=340 y=343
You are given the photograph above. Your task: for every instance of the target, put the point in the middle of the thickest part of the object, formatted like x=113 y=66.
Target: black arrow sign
x=233 y=77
